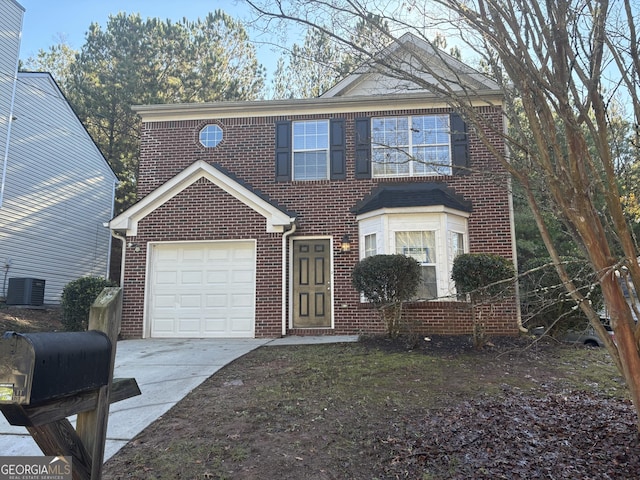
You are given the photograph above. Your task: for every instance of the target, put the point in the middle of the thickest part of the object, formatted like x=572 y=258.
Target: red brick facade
x=204 y=211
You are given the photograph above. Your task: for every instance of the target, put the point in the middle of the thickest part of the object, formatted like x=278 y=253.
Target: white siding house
x=10 y=27
x=58 y=190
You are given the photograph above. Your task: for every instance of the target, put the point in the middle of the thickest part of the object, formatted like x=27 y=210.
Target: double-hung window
x=370 y=245
x=421 y=245
x=311 y=150
x=410 y=146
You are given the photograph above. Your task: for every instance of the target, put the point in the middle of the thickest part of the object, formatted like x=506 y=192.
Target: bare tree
x=561 y=64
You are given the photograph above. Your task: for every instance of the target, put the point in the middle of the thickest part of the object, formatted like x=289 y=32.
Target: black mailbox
x=37 y=367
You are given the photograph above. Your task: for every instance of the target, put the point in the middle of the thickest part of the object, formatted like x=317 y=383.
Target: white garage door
x=200 y=290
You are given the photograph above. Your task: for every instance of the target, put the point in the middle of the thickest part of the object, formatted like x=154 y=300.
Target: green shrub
x=482 y=275
x=485 y=278
x=77 y=298
x=388 y=281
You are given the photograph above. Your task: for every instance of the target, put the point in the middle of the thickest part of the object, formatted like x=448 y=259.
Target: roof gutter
x=269 y=108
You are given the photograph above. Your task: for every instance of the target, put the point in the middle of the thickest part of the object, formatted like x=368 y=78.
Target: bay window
x=433 y=235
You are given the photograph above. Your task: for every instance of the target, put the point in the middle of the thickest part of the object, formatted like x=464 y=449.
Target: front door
x=311 y=283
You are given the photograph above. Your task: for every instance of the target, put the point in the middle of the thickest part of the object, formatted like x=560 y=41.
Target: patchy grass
x=350 y=411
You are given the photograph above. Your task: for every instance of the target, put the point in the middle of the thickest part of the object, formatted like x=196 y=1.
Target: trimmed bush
x=481 y=276
x=388 y=281
x=485 y=278
x=77 y=298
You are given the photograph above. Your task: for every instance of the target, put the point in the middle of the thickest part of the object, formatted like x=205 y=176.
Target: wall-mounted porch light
x=345 y=246
x=135 y=246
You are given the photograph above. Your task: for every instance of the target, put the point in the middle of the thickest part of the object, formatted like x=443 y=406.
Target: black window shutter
x=337 y=151
x=459 y=145
x=283 y=151
x=363 y=147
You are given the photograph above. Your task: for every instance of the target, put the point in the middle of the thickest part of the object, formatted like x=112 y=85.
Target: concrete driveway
x=166 y=371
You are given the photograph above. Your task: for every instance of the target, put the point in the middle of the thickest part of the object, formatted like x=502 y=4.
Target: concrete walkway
x=166 y=371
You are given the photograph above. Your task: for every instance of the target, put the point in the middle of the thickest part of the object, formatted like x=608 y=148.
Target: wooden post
x=47 y=421
x=59 y=439
x=92 y=425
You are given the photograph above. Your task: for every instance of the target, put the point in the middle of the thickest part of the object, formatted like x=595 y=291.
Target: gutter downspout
x=512 y=225
x=285 y=237
x=124 y=251
x=113 y=207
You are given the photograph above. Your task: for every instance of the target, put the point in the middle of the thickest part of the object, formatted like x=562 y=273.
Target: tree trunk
x=625 y=338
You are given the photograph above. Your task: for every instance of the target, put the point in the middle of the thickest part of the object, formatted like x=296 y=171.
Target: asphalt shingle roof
x=411 y=195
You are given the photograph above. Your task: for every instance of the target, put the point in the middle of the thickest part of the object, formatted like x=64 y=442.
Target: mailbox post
x=47 y=377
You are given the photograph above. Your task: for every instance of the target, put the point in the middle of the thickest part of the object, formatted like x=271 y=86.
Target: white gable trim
x=276 y=219
x=403 y=54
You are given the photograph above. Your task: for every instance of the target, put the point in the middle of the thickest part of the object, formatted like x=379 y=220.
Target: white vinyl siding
x=58 y=194
x=10 y=25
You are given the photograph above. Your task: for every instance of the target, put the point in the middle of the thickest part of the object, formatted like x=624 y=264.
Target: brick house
x=252 y=215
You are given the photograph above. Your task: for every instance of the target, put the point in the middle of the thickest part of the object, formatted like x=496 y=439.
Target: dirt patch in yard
x=27 y=320
x=378 y=409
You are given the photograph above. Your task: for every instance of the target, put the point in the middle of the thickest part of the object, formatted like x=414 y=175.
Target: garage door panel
x=216 y=300
x=191 y=277
x=243 y=255
x=164 y=327
x=193 y=254
x=215 y=325
x=166 y=255
x=165 y=301
x=191 y=301
x=165 y=278
x=189 y=325
x=219 y=255
x=239 y=301
x=242 y=276
x=217 y=277
x=203 y=290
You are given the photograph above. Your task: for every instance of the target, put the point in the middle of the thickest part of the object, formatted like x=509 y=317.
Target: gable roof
x=425 y=194
x=371 y=87
x=276 y=219
x=411 y=57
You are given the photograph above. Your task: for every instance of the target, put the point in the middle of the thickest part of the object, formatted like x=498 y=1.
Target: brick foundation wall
x=204 y=212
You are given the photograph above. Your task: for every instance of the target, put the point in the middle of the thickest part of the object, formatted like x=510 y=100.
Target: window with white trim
x=433 y=237
x=422 y=247
x=411 y=146
x=370 y=245
x=457 y=244
x=311 y=150
x=211 y=135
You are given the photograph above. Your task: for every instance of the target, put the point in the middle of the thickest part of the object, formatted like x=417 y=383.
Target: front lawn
x=375 y=410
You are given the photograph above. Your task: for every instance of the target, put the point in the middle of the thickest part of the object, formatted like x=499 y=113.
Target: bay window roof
x=411 y=195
